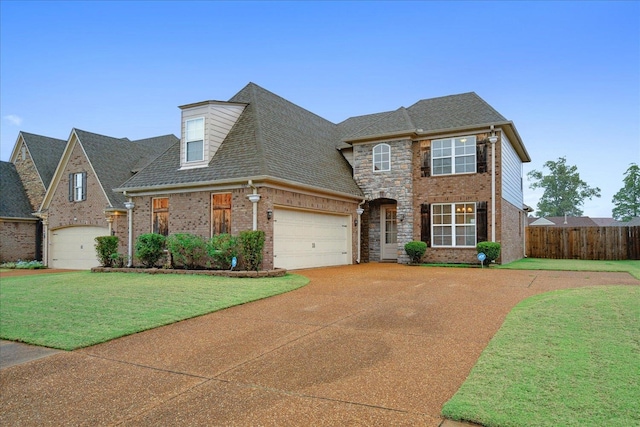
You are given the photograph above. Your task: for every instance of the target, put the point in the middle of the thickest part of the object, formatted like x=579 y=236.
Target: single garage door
x=303 y=239
x=74 y=247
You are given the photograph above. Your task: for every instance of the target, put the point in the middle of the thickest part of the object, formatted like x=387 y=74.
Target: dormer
x=204 y=126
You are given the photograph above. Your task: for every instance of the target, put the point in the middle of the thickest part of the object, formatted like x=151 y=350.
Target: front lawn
x=73 y=310
x=563 y=358
x=630 y=266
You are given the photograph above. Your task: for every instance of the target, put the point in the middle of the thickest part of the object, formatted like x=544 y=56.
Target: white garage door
x=308 y=239
x=74 y=247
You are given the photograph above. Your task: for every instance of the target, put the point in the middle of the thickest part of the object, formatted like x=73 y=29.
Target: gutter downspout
x=129 y=205
x=493 y=139
x=359 y=211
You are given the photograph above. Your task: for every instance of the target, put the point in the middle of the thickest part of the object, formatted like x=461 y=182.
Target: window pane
x=195 y=151
x=381 y=157
x=160 y=216
x=194 y=129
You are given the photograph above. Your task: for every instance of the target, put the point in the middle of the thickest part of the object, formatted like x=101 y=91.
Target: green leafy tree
x=627 y=200
x=564 y=191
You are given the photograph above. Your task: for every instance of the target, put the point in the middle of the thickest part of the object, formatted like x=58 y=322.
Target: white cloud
x=13 y=119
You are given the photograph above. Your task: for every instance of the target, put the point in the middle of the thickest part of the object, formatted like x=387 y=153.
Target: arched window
x=381 y=158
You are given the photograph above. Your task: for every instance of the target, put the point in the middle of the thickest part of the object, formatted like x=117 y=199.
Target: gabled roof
x=45 y=153
x=115 y=160
x=14 y=202
x=432 y=116
x=272 y=138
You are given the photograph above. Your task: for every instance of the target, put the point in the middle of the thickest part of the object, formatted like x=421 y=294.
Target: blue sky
x=566 y=73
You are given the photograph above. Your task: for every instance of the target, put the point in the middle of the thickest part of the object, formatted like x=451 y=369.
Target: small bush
x=415 y=250
x=490 y=249
x=251 y=245
x=187 y=250
x=23 y=265
x=106 y=249
x=150 y=248
x=222 y=248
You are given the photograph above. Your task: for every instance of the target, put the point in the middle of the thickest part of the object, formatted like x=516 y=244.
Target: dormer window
x=381 y=158
x=194 y=139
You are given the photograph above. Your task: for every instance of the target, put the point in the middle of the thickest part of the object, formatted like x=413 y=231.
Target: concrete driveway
x=372 y=344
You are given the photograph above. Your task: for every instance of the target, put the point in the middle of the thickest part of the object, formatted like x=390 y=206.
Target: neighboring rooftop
x=14 y=202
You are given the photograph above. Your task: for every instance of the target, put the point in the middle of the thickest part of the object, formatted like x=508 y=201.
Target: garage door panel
x=74 y=247
x=305 y=239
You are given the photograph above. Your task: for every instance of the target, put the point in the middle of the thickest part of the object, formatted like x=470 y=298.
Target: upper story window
x=221 y=213
x=454 y=224
x=453 y=155
x=381 y=158
x=160 y=216
x=77 y=187
x=194 y=139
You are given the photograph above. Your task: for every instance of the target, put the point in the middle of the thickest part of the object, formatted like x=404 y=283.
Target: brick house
x=447 y=171
x=34 y=160
x=80 y=203
x=18 y=228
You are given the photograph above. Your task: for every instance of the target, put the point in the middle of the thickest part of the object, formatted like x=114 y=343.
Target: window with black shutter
x=481 y=222
x=425 y=224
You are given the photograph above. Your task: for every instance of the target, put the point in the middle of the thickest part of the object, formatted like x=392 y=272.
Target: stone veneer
x=395 y=184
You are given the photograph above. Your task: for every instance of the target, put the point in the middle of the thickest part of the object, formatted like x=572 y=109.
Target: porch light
x=269 y=213
x=359 y=211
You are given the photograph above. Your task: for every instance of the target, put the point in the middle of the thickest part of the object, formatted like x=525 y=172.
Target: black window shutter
x=426 y=162
x=481 y=222
x=425 y=224
x=71 y=187
x=84 y=186
x=481 y=156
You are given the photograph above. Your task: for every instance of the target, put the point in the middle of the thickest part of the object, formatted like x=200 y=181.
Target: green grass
x=563 y=358
x=73 y=310
x=630 y=266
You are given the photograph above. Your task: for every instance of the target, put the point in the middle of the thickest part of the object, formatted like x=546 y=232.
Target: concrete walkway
x=373 y=344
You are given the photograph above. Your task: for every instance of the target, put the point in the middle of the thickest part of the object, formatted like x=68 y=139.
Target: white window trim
x=453 y=156
x=79 y=187
x=453 y=225
x=187 y=141
x=373 y=157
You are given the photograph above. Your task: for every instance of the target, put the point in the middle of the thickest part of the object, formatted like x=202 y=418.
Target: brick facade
x=191 y=213
x=29 y=176
x=17 y=240
x=405 y=185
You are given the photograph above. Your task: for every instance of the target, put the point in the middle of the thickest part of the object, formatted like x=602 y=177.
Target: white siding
x=511 y=174
x=219 y=118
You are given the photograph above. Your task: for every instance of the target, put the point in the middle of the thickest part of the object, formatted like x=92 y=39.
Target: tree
x=564 y=191
x=627 y=200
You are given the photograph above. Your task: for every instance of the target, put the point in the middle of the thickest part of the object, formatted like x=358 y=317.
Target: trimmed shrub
x=222 y=248
x=251 y=245
x=187 y=250
x=490 y=249
x=150 y=248
x=107 y=249
x=415 y=250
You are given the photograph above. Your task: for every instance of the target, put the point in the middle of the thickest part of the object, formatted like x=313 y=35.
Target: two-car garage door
x=74 y=247
x=303 y=239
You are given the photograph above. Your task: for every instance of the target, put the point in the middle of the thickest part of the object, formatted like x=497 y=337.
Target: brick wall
x=191 y=213
x=17 y=240
x=29 y=176
x=62 y=212
x=512 y=238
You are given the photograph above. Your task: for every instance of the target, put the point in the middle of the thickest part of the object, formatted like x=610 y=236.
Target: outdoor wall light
x=355 y=222
x=269 y=213
x=401 y=217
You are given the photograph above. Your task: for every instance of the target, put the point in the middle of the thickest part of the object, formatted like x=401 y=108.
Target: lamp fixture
x=129 y=205
x=355 y=222
x=269 y=214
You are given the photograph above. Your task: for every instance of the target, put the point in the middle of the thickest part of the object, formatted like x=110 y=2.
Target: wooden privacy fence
x=601 y=243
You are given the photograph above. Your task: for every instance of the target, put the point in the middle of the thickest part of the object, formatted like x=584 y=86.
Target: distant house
x=19 y=231
x=562 y=221
x=447 y=171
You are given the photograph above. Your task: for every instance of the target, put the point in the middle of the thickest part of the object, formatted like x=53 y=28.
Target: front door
x=389 y=230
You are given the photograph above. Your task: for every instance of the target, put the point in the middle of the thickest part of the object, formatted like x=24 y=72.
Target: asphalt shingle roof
x=14 y=202
x=272 y=137
x=45 y=153
x=115 y=159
